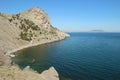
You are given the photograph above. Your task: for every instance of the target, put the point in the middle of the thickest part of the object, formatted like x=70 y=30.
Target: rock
x=50 y=74
x=14 y=73
x=26 y=68
x=12 y=55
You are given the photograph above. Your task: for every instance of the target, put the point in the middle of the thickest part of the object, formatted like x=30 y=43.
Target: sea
x=83 y=56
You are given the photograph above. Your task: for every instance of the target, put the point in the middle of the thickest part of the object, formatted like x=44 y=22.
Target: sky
x=72 y=15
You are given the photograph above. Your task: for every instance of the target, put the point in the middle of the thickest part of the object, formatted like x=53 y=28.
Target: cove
x=83 y=56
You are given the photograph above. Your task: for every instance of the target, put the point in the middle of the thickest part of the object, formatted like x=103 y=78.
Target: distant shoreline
x=93 y=32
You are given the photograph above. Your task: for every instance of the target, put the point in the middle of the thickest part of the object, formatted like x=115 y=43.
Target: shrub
x=17 y=15
x=26 y=26
x=24 y=36
x=10 y=20
x=31 y=24
x=35 y=27
x=22 y=26
x=13 y=17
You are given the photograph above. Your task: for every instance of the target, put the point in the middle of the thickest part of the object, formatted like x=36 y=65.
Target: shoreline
x=9 y=53
x=50 y=73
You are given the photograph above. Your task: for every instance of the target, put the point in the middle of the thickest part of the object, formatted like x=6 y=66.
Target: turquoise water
x=83 y=56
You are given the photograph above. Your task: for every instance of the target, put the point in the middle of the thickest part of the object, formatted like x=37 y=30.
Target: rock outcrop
x=14 y=73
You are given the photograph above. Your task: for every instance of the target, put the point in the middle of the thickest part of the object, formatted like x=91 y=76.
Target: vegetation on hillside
x=29 y=28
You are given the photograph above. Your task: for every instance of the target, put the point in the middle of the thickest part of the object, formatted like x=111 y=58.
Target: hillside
x=27 y=28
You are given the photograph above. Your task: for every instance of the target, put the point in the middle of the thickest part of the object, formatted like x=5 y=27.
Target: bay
x=83 y=56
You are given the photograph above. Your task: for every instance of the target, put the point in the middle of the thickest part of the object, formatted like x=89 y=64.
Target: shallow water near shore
x=83 y=56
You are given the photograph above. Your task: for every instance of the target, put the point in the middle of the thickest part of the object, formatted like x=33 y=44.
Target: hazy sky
x=72 y=15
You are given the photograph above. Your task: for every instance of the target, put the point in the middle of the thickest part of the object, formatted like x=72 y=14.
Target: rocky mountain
x=27 y=28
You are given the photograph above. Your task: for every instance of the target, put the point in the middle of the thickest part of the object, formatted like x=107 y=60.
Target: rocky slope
x=27 y=28
x=14 y=73
x=4 y=60
x=24 y=30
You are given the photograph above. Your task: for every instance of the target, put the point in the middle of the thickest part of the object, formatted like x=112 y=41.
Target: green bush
x=31 y=24
x=26 y=26
x=35 y=27
x=17 y=15
x=10 y=20
x=24 y=36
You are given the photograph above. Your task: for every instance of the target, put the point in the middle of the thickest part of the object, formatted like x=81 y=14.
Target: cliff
x=24 y=30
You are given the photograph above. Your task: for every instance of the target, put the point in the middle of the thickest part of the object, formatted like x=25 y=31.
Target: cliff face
x=27 y=28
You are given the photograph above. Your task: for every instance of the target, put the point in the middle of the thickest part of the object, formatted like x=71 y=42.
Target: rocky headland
x=25 y=30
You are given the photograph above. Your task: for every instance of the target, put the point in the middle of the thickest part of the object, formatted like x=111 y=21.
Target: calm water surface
x=83 y=56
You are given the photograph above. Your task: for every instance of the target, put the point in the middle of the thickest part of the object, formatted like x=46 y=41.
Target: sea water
x=83 y=56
